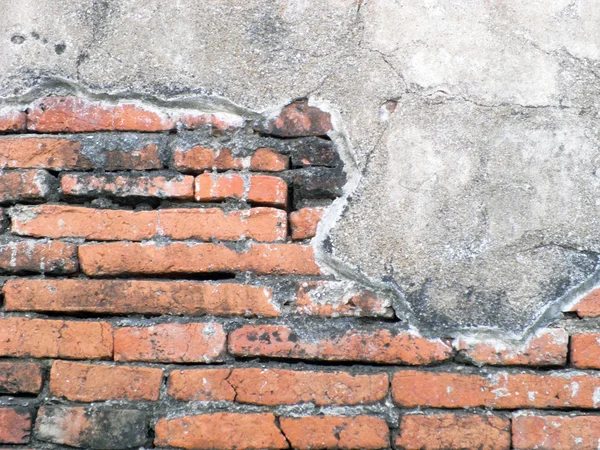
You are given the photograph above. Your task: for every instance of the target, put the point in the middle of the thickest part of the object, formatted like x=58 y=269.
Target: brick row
x=201 y=158
x=64 y=221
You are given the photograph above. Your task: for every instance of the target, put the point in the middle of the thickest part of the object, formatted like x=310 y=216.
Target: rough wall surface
x=404 y=256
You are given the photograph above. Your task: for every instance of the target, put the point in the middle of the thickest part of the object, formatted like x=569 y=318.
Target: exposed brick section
x=201 y=385
x=304 y=222
x=450 y=431
x=20 y=378
x=38 y=338
x=72 y=114
x=53 y=257
x=138 y=296
x=555 y=432
x=60 y=221
x=196 y=342
x=585 y=350
x=15 y=425
x=24 y=185
x=256 y=189
x=588 y=306
x=381 y=346
x=220 y=431
x=338 y=299
x=547 y=348
x=313 y=151
x=286 y=387
x=299 y=119
x=93 y=382
x=501 y=391
x=144 y=158
x=134 y=258
x=124 y=185
x=200 y=158
x=315 y=183
x=362 y=432
x=12 y=120
x=41 y=153
x=92 y=428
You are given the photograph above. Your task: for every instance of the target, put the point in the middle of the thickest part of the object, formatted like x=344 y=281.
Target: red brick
x=268 y=160
x=15 y=425
x=256 y=189
x=335 y=299
x=143 y=158
x=72 y=114
x=38 y=256
x=81 y=382
x=304 y=222
x=59 y=221
x=20 y=378
x=382 y=346
x=138 y=296
x=24 y=185
x=362 y=432
x=194 y=342
x=298 y=119
x=555 y=432
x=218 y=121
x=12 y=120
x=439 y=431
x=43 y=153
x=501 y=390
x=546 y=348
x=286 y=387
x=588 y=306
x=116 y=185
x=178 y=257
x=38 y=338
x=585 y=350
x=201 y=385
x=220 y=431
x=200 y=158
x=91 y=427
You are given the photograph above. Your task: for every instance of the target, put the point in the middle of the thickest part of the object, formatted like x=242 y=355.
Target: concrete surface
x=473 y=124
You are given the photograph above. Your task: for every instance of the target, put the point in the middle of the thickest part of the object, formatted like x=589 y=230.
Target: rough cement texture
x=478 y=193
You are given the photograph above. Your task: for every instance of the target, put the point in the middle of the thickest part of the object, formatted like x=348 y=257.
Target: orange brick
x=12 y=120
x=335 y=299
x=220 y=431
x=256 y=189
x=201 y=385
x=38 y=338
x=138 y=296
x=24 y=185
x=20 y=378
x=304 y=222
x=218 y=121
x=268 y=160
x=362 y=432
x=91 y=427
x=178 y=257
x=546 y=348
x=588 y=306
x=15 y=425
x=299 y=119
x=555 y=432
x=501 y=390
x=585 y=350
x=72 y=114
x=195 y=342
x=81 y=382
x=115 y=185
x=286 y=387
x=59 y=221
x=453 y=431
x=42 y=153
x=382 y=346
x=38 y=256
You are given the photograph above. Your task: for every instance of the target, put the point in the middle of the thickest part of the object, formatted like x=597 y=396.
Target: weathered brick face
x=160 y=289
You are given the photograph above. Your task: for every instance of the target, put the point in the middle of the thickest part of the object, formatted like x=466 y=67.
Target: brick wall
x=159 y=290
